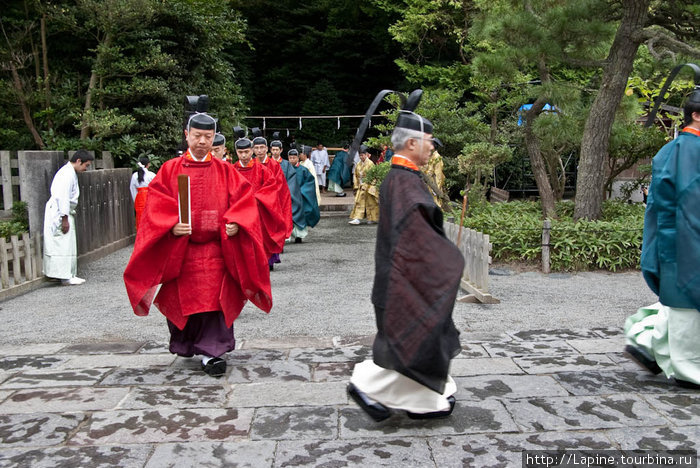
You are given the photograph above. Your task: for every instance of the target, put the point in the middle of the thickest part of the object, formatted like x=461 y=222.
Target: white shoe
x=354 y=221
x=371 y=222
x=74 y=281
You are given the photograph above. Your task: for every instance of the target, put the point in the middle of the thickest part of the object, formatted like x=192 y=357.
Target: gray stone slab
x=63 y=400
x=129 y=456
x=25 y=363
x=576 y=413
x=333 y=371
x=606 y=332
x=4 y=394
x=38 y=349
x=344 y=341
x=295 y=423
x=118 y=360
x=467 y=418
x=482 y=366
x=348 y=354
x=359 y=452
x=37 y=429
x=683 y=409
x=160 y=376
x=608 y=382
x=155 y=397
x=284 y=371
x=154 y=347
x=257 y=454
x=467 y=337
x=624 y=361
x=288 y=394
x=656 y=438
x=599 y=345
x=505 y=450
x=255 y=356
x=82 y=377
x=472 y=350
x=554 y=334
x=286 y=342
x=529 y=348
x=507 y=386
x=164 y=425
x=120 y=347
x=564 y=363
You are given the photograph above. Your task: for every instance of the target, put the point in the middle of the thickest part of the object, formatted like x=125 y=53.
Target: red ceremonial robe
x=285 y=197
x=265 y=189
x=207 y=270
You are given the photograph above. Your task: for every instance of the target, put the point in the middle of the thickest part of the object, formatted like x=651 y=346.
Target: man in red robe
x=264 y=187
x=283 y=194
x=208 y=268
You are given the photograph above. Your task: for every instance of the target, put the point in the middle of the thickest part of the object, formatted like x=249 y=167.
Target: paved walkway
x=80 y=392
x=134 y=404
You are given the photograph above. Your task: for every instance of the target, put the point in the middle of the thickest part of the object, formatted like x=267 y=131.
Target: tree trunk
x=537 y=160
x=26 y=113
x=45 y=62
x=84 y=127
x=596 y=133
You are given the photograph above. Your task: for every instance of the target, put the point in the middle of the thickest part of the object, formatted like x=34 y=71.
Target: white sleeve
x=132 y=185
x=61 y=191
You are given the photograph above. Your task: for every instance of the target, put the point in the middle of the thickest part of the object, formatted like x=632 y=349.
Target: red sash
x=140 y=203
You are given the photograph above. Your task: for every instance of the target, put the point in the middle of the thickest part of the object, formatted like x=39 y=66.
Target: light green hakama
x=670 y=336
x=60 y=251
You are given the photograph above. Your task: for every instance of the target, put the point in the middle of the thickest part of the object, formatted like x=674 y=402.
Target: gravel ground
x=321 y=289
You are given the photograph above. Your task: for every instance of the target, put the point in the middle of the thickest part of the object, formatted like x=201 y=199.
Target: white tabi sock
x=206 y=359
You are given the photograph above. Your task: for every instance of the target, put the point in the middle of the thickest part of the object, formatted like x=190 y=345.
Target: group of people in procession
x=201 y=269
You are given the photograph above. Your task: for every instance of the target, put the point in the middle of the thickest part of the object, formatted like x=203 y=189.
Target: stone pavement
x=283 y=403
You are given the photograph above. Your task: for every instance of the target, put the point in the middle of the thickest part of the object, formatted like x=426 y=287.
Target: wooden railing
x=20 y=263
x=476 y=249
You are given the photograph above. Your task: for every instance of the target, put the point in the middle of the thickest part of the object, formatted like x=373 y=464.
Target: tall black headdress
x=276 y=142
x=241 y=141
x=694 y=96
x=219 y=139
x=258 y=138
x=408 y=105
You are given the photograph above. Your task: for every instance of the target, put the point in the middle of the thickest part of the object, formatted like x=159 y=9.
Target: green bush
x=375 y=175
x=18 y=224
x=515 y=229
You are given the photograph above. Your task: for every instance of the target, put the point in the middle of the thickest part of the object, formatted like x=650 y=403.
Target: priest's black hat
x=413 y=121
x=201 y=121
x=276 y=143
x=219 y=140
x=363 y=149
x=292 y=152
x=243 y=143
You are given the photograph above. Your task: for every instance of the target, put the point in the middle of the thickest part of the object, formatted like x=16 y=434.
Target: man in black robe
x=417 y=276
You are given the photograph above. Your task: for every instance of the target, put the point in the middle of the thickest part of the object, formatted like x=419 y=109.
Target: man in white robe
x=319 y=157
x=60 y=242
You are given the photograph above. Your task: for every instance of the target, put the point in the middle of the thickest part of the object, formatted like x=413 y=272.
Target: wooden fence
x=20 y=264
x=476 y=249
x=10 y=180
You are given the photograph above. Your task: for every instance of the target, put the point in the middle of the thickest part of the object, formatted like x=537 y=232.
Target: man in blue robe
x=340 y=173
x=664 y=336
x=305 y=205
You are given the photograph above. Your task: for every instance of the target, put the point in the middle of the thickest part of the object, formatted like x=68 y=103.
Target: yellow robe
x=367 y=196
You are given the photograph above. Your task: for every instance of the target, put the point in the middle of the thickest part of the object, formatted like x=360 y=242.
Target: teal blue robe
x=340 y=171
x=307 y=186
x=671 y=244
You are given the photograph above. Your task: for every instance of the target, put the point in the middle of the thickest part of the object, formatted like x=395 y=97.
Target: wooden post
x=28 y=270
x=6 y=170
x=16 y=264
x=547 y=227
x=4 y=264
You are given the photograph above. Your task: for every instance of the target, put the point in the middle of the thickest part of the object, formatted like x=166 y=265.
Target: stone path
x=284 y=404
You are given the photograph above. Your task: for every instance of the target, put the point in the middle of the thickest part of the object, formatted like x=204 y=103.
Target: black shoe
x=216 y=367
x=434 y=414
x=341 y=194
x=374 y=409
x=686 y=384
x=643 y=359
x=297 y=240
x=272 y=267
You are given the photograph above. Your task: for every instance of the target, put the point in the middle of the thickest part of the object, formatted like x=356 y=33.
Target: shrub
x=515 y=228
x=18 y=224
